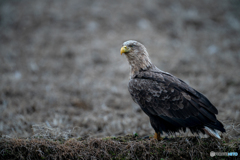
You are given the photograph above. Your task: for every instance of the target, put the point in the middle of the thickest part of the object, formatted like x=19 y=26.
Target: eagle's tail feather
x=211 y=132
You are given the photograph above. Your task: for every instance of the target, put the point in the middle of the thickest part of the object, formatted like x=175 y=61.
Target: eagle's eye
x=131 y=45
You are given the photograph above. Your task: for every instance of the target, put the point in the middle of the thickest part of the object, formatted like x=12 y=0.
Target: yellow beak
x=124 y=49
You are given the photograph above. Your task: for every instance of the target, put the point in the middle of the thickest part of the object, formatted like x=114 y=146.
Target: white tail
x=211 y=132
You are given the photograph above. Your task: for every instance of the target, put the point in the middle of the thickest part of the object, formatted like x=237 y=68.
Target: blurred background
x=61 y=68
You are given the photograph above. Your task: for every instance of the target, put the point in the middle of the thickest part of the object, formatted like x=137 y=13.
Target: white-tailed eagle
x=171 y=104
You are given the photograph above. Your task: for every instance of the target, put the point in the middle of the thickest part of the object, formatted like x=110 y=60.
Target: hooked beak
x=124 y=49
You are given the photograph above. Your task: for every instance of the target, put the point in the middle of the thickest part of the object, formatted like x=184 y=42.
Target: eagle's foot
x=157 y=136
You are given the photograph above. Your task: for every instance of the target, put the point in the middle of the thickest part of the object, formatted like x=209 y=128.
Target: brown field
x=123 y=147
x=61 y=70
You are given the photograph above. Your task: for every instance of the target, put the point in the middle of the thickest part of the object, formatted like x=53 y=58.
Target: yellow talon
x=157 y=136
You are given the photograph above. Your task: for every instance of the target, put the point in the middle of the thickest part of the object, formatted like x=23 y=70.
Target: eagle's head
x=133 y=48
x=137 y=56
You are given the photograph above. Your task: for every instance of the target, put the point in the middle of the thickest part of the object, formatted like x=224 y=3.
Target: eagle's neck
x=138 y=64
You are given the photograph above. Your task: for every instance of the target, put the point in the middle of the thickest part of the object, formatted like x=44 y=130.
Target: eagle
x=170 y=103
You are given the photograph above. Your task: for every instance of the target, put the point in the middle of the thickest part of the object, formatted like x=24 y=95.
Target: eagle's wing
x=161 y=94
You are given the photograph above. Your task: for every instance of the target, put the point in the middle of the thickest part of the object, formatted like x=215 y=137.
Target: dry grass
x=52 y=143
x=124 y=147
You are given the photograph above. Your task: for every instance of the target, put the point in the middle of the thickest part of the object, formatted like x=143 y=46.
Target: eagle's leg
x=157 y=136
x=156 y=124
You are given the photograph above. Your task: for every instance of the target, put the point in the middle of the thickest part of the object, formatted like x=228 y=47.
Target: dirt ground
x=61 y=68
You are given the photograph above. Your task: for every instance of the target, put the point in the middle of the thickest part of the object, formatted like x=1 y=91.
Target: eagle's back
x=162 y=95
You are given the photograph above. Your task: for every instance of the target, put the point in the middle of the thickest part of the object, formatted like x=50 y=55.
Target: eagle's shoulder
x=162 y=78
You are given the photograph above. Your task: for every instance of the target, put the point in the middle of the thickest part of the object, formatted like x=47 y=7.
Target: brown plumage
x=170 y=103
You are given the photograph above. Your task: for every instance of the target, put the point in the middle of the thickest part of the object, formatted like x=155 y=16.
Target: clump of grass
x=123 y=147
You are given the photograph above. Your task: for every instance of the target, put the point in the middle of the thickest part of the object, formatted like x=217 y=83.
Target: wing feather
x=161 y=94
